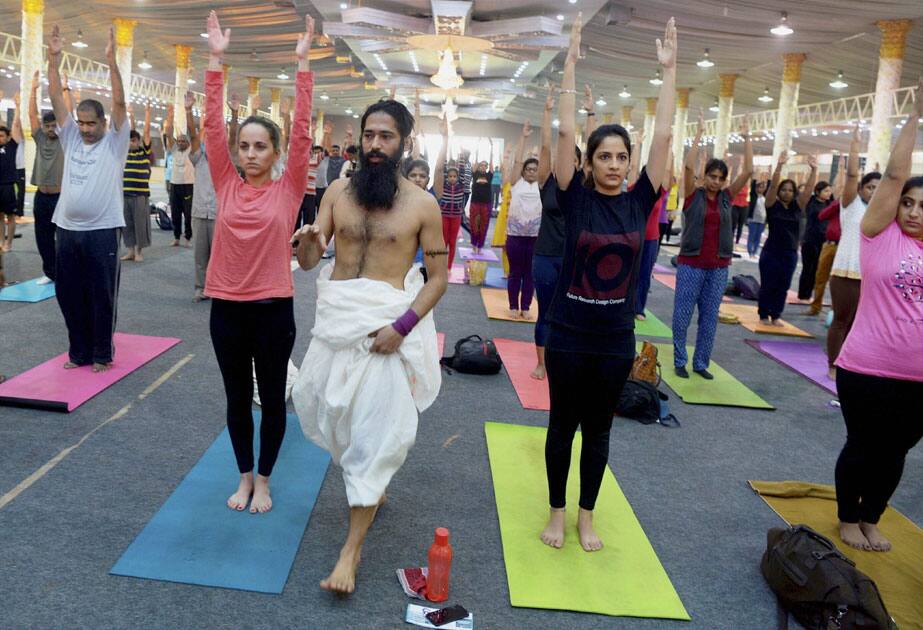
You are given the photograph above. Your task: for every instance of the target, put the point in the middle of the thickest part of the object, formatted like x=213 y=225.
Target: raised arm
x=55 y=89
x=567 y=116
x=544 y=154
x=68 y=94
x=119 y=111
x=663 y=120
x=692 y=158
x=195 y=140
x=840 y=180
x=439 y=175
x=417 y=126
x=746 y=167
x=851 y=187
x=634 y=162
x=34 y=119
x=516 y=173
x=328 y=136
x=168 y=138
x=233 y=124
x=883 y=206
x=147 y=125
x=805 y=195
x=296 y=168
x=773 y=187
x=16 y=131
x=216 y=142
x=589 y=106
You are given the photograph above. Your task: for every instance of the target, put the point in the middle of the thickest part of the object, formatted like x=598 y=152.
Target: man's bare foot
x=778 y=323
x=138 y=257
x=553 y=534
x=588 y=538
x=262 y=501
x=238 y=501
x=175 y=243
x=874 y=536
x=852 y=535
x=70 y=365
x=538 y=373
x=127 y=257
x=101 y=367
x=342 y=580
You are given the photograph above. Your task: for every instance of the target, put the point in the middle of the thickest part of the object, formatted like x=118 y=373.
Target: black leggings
x=585 y=390
x=882 y=424
x=260 y=334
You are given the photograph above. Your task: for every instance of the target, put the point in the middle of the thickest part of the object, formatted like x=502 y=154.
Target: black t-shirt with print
x=8 y=172
x=593 y=306
x=480 y=188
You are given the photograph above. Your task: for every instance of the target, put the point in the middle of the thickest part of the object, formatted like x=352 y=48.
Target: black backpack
x=163 y=219
x=645 y=403
x=474 y=355
x=746 y=287
x=820 y=586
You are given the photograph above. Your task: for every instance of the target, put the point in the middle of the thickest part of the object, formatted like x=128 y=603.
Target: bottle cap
x=442 y=536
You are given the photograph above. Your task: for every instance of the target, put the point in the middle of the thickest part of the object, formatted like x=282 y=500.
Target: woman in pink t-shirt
x=880 y=367
x=249 y=275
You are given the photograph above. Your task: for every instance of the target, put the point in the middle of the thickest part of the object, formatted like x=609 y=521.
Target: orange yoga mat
x=519 y=360
x=792 y=298
x=749 y=319
x=669 y=280
x=497 y=305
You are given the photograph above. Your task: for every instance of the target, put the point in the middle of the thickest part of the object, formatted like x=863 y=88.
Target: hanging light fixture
x=144 y=65
x=765 y=98
x=714 y=107
x=625 y=93
x=79 y=43
x=282 y=76
x=783 y=27
x=601 y=102
x=839 y=83
x=705 y=61
x=447 y=77
x=656 y=80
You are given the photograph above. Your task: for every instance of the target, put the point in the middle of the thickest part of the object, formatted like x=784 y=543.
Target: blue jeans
x=648 y=258
x=703 y=288
x=754 y=232
x=545 y=272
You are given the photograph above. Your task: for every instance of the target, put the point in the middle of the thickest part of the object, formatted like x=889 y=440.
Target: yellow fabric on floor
x=898 y=573
x=750 y=319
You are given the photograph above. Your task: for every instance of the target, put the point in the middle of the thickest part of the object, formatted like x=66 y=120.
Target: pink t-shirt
x=886 y=338
x=251 y=252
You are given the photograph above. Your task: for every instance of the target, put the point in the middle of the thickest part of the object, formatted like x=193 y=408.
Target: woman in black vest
x=705 y=250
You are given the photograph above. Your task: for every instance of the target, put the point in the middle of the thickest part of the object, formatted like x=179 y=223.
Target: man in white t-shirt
x=182 y=180
x=89 y=215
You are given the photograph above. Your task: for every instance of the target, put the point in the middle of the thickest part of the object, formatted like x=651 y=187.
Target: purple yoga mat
x=487 y=255
x=658 y=268
x=50 y=386
x=808 y=359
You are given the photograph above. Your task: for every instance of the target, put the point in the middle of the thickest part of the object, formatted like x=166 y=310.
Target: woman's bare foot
x=831 y=372
x=852 y=535
x=874 y=536
x=70 y=365
x=588 y=538
x=101 y=367
x=514 y=313
x=778 y=323
x=238 y=501
x=764 y=321
x=538 y=373
x=342 y=580
x=553 y=534
x=262 y=501
x=175 y=243
x=640 y=317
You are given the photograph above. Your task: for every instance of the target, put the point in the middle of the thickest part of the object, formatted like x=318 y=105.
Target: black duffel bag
x=474 y=355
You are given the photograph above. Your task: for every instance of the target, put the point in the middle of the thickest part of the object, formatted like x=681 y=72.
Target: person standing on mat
x=252 y=314
x=182 y=178
x=137 y=190
x=880 y=375
x=830 y=216
x=651 y=246
x=813 y=239
x=373 y=361
x=740 y=208
x=845 y=276
x=10 y=139
x=47 y=171
x=90 y=212
x=705 y=251
x=522 y=224
x=496 y=187
x=591 y=346
x=757 y=220
x=780 y=253
x=451 y=195
x=480 y=205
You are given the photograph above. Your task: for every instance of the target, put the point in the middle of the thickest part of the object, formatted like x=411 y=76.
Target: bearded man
x=373 y=362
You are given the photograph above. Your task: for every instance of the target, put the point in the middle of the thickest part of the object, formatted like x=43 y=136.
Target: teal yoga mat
x=195 y=539
x=29 y=291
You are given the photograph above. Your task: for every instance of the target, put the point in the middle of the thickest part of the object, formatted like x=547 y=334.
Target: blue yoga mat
x=195 y=539
x=494 y=278
x=28 y=291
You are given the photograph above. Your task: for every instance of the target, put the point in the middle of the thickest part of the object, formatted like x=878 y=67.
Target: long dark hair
x=595 y=139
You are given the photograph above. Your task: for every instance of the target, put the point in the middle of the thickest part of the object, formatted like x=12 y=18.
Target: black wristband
x=591 y=113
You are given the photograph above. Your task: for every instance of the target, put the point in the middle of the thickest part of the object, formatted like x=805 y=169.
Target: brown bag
x=645 y=365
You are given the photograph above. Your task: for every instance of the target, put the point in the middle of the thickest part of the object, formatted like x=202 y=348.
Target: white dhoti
x=359 y=406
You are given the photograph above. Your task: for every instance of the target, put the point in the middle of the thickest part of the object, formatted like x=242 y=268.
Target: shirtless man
x=379 y=219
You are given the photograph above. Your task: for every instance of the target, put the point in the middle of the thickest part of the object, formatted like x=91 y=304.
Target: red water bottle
x=440 y=565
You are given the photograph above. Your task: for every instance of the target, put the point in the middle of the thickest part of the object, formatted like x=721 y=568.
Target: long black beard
x=375 y=185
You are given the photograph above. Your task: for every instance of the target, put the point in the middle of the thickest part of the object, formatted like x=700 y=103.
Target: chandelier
x=447 y=77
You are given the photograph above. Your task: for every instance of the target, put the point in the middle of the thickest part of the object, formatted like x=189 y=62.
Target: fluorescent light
x=839 y=83
x=625 y=93
x=656 y=80
x=782 y=28
x=705 y=61
x=765 y=98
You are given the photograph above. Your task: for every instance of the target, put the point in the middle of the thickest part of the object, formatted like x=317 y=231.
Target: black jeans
x=43 y=209
x=87 y=287
x=776 y=270
x=181 y=210
x=882 y=424
x=738 y=219
x=247 y=335
x=810 y=254
x=585 y=390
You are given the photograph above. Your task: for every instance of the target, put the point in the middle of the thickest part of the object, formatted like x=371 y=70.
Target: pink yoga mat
x=487 y=255
x=808 y=359
x=658 y=268
x=519 y=361
x=50 y=386
x=457 y=274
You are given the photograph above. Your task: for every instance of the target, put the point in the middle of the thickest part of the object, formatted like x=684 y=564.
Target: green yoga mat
x=652 y=327
x=695 y=390
x=624 y=578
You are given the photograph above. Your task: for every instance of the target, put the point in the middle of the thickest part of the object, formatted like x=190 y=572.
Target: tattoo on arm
x=433 y=253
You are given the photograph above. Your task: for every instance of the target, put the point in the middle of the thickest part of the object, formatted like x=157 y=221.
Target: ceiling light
x=343 y=6
x=324 y=97
x=282 y=76
x=572 y=1
x=782 y=28
x=144 y=65
x=190 y=81
x=203 y=35
x=79 y=43
x=349 y=110
x=355 y=115
x=705 y=61
x=560 y=17
x=656 y=80
x=601 y=101
x=765 y=98
x=447 y=77
x=839 y=83
x=714 y=107
x=625 y=93
x=555 y=123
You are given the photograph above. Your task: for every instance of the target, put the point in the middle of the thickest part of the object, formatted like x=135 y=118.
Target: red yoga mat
x=519 y=361
x=49 y=386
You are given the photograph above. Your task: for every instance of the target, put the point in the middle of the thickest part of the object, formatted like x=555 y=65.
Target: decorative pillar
x=124 y=44
x=890 y=63
x=33 y=12
x=253 y=94
x=725 y=109
x=275 y=106
x=679 y=128
x=788 y=103
x=182 y=86
x=649 y=115
x=607 y=118
x=626 y=115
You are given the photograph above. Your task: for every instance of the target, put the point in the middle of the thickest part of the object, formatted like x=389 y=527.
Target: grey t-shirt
x=49 y=160
x=91 y=188
x=204 y=203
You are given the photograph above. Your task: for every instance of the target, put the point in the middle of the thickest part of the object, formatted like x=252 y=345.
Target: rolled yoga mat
x=497 y=306
x=29 y=291
x=196 y=539
x=487 y=255
x=750 y=319
x=897 y=573
x=808 y=359
x=624 y=578
x=49 y=386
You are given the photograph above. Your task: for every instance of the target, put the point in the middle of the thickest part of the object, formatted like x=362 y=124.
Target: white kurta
x=362 y=407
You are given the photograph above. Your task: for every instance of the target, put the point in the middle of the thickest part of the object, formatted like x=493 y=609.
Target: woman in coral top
x=249 y=275
x=879 y=373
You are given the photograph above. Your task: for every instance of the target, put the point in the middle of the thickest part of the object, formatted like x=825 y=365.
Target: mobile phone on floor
x=446 y=615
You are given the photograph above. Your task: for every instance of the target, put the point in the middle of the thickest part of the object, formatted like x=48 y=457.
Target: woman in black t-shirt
x=591 y=345
x=479 y=212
